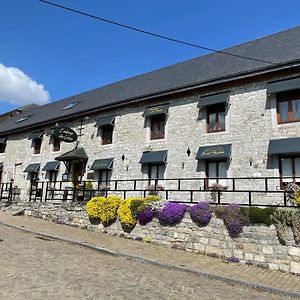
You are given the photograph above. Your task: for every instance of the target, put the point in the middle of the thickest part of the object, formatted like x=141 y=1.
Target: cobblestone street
x=41 y=268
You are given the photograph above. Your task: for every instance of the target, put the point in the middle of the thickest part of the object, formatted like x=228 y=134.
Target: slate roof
x=280 y=48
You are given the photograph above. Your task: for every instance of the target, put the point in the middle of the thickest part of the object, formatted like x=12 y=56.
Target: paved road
x=37 y=268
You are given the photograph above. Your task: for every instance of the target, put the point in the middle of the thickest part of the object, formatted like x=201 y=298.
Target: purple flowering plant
x=201 y=213
x=233 y=219
x=171 y=213
x=233 y=259
x=145 y=216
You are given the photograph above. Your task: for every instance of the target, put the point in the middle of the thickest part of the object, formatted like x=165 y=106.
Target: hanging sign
x=65 y=134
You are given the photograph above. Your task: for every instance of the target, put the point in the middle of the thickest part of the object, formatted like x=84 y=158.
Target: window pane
x=161 y=172
x=212 y=121
x=284 y=110
x=212 y=173
x=287 y=169
x=154 y=172
x=158 y=127
x=296 y=109
x=223 y=173
x=107 y=132
x=222 y=120
x=297 y=169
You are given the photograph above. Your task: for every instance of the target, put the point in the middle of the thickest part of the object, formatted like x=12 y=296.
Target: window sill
x=216 y=132
x=156 y=140
x=289 y=122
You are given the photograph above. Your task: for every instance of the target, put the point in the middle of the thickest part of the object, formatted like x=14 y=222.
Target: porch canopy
x=156 y=110
x=284 y=146
x=32 y=168
x=105 y=121
x=283 y=85
x=154 y=157
x=213 y=99
x=51 y=166
x=102 y=164
x=214 y=152
x=77 y=153
x=3 y=140
x=36 y=135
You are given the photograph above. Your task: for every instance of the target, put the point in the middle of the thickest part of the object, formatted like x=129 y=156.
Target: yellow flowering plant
x=296 y=198
x=103 y=208
x=126 y=215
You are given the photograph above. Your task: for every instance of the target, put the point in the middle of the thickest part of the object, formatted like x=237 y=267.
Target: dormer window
x=23 y=119
x=70 y=106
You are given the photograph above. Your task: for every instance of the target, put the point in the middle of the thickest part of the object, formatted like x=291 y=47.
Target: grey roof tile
x=281 y=47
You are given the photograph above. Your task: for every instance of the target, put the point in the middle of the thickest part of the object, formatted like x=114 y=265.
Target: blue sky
x=69 y=54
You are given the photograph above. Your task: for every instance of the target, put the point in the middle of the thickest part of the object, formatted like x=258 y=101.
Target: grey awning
x=36 y=135
x=213 y=99
x=156 y=110
x=32 y=168
x=102 y=164
x=51 y=166
x=214 y=152
x=105 y=121
x=283 y=85
x=154 y=157
x=77 y=153
x=1 y=164
x=3 y=140
x=284 y=146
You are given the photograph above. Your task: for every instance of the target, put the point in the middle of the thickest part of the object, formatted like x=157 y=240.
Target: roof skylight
x=22 y=119
x=70 y=106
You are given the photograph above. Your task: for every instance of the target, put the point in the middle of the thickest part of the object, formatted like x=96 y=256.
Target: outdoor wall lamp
x=188 y=151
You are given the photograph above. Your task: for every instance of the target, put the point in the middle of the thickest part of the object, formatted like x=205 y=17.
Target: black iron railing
x=6 y=191
x=249 y=191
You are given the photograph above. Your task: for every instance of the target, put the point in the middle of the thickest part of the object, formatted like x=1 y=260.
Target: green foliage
x=219 y=211
x=287 y=217
x=256 y=215
x=88 y=185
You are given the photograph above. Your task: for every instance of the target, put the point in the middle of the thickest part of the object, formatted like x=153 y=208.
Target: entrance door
x=77 y=172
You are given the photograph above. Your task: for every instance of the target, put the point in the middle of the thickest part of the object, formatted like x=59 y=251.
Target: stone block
x=273 y=266
x=294 y=251
x=267 y=250
x=252 y=248
x=203 y=240
x=238 y=253
x=248 y=256
x=213 y=250
x=199 y=247
x=214 y=242
x=259 y=258
x=295 y=267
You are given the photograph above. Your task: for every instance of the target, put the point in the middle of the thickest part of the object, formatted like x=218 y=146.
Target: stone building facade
x=232 y=121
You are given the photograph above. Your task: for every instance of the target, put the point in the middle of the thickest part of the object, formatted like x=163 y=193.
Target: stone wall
x=250 y=124
x=257 y=245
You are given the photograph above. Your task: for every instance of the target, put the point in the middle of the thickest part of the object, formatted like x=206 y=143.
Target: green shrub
x=257 y=215
x=287 y=217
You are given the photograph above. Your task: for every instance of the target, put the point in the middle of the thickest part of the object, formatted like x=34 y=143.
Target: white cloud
x=18 y=88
